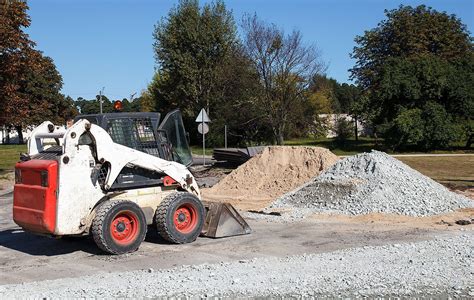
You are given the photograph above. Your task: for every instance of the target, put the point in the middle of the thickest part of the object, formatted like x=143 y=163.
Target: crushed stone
x=371 y=182
x=438 y=267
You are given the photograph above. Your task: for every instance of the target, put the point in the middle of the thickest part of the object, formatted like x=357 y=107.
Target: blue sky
x=107 y=43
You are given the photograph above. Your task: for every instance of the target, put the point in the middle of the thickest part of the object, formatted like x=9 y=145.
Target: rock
x=463 y=222
x=372 y=182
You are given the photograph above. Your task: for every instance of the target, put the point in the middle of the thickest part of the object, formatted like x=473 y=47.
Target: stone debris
x=372 y=182
x=442 y=266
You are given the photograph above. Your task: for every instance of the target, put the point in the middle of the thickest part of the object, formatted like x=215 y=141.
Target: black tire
x=180 y=204
x=129 y=222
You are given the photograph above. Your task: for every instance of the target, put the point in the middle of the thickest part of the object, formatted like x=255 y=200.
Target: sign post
x=203 y=128
x=225 y=136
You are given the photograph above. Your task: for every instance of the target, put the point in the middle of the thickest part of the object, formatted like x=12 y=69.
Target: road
x=25 y=257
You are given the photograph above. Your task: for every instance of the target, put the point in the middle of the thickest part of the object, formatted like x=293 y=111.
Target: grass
x=197 y=150
x=453 y=171
x=351 y=146
x=9 y=155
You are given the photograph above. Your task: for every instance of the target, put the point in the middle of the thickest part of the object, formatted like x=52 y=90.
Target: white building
x=331 y=120
x=13 y=134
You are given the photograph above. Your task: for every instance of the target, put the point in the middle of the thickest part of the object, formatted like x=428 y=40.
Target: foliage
x=92 y=106
x=285 y=66
x=409 y=32
x=344 y=130
x=237 y=104
x=428 y=128
x=200 y=63
x=439 y=129
x=417 y=61
x=406 y=128
x=146 y=101
x=191 y=44
x=29 y=82
x=323 y=93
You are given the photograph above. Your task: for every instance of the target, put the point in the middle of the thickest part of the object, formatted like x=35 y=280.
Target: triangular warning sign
x=203 y=117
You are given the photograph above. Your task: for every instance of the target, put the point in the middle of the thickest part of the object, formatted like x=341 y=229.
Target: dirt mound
x=270 y=174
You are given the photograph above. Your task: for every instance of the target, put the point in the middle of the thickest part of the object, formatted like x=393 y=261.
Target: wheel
x=119 y=226
x=179 y=218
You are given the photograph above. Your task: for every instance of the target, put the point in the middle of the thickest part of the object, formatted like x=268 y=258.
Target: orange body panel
x=34 y=205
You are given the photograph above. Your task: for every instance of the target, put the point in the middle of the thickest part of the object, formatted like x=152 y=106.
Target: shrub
x=344 y=130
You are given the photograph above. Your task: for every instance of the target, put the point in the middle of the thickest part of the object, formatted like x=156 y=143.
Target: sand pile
x=373 y=182
x=270 y=174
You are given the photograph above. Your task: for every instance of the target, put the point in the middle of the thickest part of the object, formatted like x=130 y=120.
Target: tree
x=190 y=46
x=326 y=89
x=15 y=50
x=408 y=32
x=92 y=106
x=29 y=82
x=415 y=57
x=201 y=63
x=237 y=95
x=146 y=101
x=284 y=66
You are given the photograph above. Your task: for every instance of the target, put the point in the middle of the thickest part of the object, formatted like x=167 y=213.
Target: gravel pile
x=441 y=267
x=270 y=174
x=373 y=183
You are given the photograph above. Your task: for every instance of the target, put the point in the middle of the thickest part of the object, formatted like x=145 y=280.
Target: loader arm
x=44 y=130
x=120 y=156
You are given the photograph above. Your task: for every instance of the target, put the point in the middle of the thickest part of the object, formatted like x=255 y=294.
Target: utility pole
x=100 y=98
x=225 y=136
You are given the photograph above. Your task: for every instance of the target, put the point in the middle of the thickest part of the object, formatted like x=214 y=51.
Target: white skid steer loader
x=113 y=175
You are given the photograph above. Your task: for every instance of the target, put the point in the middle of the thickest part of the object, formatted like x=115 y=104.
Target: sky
x=108 y=44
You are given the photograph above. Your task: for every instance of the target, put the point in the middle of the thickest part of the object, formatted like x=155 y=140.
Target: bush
x=344 y=131
x=428 y=128
x=439 y=128
x=405 y=129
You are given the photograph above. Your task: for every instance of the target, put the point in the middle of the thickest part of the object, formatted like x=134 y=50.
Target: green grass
x=197 y=150
x=455 y=171
x=9 y=155
x=351 y=146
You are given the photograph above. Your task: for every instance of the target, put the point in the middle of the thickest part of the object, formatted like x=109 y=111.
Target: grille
x=103 y=172
x=134 y=133
x=49 y=154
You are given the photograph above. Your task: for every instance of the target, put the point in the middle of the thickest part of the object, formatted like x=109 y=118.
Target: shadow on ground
x=19 y=240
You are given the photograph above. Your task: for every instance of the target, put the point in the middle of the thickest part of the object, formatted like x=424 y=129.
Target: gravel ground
x=442 y=266
x=372 y=182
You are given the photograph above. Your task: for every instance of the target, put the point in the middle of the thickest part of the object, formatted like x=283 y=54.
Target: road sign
x=203 y=117
x=203 y=128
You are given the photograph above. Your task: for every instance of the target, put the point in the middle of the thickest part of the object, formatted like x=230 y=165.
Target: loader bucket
x=222 y=220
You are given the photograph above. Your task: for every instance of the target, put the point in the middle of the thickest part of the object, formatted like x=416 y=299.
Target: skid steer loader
x=112 y=176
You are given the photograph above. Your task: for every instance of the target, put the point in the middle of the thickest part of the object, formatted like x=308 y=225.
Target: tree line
x=413 y=78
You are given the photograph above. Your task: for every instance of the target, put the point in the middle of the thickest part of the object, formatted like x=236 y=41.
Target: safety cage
x=143 y=132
